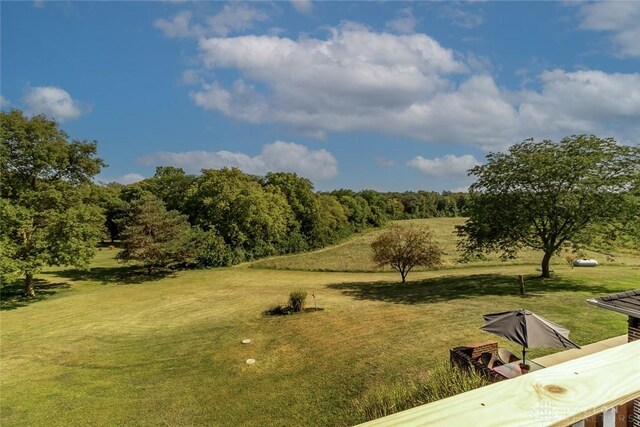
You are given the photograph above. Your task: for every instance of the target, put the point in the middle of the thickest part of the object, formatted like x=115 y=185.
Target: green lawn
x=110 y=347
x=354 y=254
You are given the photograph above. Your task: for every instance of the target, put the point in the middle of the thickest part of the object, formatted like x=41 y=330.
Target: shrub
x=212 y=250
x=297 y=299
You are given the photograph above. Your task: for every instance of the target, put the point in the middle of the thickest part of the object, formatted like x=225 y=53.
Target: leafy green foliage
x=170 y=184
x=212 y=251
x=543 y=194
x=332 y=222
x=114 y=207
x=255 y=217
x=48 y=211
x=303 y=202
x=156 y=238
x=254 y=221
x=403 y=248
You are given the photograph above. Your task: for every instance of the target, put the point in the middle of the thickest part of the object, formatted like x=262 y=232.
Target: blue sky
x=383 y=95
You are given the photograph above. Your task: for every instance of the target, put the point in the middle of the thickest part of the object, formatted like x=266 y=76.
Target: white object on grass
x=251 y=361
x=246 y=341
x=585 y=262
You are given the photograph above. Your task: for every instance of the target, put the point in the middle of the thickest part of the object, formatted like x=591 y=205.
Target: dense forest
x=241 y=217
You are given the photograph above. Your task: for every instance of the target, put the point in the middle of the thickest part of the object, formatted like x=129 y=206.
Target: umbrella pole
x=523 y=354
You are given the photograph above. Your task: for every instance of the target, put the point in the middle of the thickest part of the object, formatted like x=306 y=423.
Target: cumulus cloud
x=52 y=101
x=405 y=22
x=356 y=79
x=584 y=102
x=302 y=6
x=233 y=17
x=619 y=18
x=448 y=166
x=4 y=102
x=277 y=156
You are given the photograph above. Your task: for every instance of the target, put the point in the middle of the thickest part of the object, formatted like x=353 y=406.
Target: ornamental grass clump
x=297 y=299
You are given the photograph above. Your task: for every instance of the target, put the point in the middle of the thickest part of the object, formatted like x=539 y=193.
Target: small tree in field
x=404 y=248
x=156 y=238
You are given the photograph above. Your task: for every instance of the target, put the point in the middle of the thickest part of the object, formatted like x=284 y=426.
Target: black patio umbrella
x=527 y=329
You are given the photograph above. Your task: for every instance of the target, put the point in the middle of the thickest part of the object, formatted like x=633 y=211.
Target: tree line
x=237 y=217
x=52 y=212
x=539 y=194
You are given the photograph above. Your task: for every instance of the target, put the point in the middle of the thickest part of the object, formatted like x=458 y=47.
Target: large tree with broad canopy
x=48 y=214
x=543 y=194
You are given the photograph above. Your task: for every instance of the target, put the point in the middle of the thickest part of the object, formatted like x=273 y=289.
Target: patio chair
x=490 y=360
x=506 y=356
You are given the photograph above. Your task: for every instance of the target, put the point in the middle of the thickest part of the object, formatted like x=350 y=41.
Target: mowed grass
x=113 y=348
x=355 y=253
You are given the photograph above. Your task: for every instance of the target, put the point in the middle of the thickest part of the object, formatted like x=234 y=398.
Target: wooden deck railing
x=561 y=395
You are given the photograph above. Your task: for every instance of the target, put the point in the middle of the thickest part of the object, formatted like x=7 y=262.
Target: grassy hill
x=112 y=347
x=355 y=253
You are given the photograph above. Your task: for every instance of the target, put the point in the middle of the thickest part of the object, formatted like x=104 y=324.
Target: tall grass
x=442 y=381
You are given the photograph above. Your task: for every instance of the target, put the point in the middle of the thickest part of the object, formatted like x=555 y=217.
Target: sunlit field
x=355 y=254
x=114 y=347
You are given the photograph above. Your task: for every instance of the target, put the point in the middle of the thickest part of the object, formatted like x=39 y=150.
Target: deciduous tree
x=541 y=194
x=48 y=214
x=403 y=248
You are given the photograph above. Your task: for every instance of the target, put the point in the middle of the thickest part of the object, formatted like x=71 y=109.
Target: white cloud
x=52 y=101
x=129 y=178
x=4 y=102
x=235 y=16
x=584 y=102
x=620 y=18
x=277 y=156
x=302 y=6
x=178 y=26
x=360 y=80
x=232 y=17
x=126 y=179
x=461 y=189
x=405 y=22
x=448 y=166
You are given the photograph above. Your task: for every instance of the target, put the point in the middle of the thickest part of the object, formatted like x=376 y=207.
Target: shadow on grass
x=448 y=288
x=132 y=275
x=280 y=310
x=12 y=295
